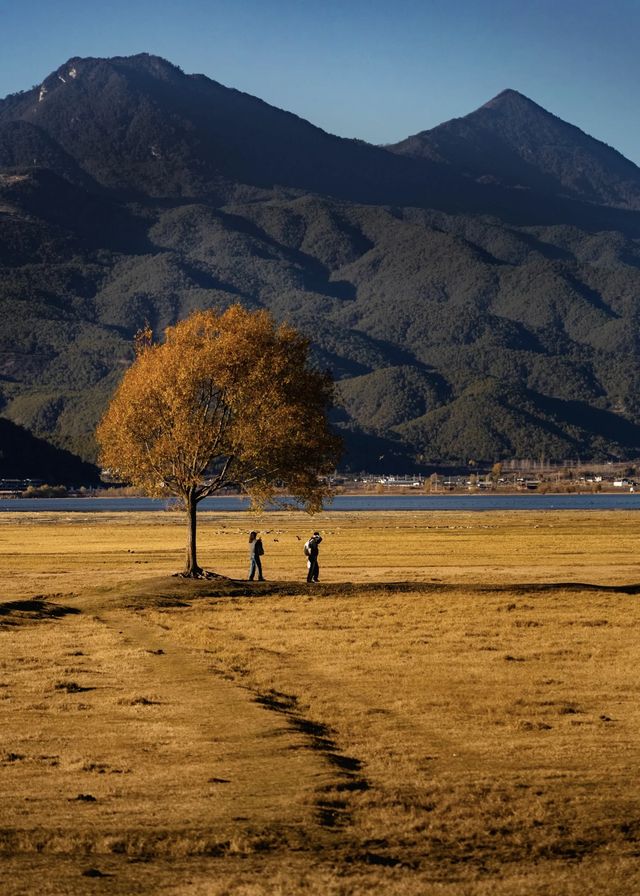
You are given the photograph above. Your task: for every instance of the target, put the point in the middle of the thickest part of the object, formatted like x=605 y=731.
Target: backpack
x=307 y=550
x=259 y=548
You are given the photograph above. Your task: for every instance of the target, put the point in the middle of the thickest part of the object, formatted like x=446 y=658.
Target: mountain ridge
x=127 y=121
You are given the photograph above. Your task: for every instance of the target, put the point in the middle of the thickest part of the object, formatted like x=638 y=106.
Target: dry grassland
x=453 y=710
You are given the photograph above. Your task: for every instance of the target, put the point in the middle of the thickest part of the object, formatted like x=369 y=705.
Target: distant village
x=506 y=476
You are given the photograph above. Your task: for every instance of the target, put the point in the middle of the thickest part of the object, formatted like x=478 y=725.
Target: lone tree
x=227 y=399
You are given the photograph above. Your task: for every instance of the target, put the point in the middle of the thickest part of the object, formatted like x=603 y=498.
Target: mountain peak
x=514 y=142
x=140 y=62
x=508 y=94
x=147 y=62
x=511 y=98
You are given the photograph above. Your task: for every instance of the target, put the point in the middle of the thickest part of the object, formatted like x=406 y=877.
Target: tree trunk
x=191 y=569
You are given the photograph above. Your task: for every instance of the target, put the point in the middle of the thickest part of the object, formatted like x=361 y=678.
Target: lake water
x=409 y=503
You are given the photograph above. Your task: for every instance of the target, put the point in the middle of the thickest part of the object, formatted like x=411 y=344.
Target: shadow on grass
x=169 y=592
x=165 y=592
x=543 y=587
x=172 y=592
x=331 y=806
x=15 y=612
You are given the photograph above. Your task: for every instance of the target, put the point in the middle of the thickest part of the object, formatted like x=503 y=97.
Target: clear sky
x=379 y=70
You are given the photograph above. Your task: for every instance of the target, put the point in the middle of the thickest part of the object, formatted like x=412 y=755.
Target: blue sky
x=374 y=70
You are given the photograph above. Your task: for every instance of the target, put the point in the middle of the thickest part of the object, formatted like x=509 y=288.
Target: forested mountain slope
x=463 y=319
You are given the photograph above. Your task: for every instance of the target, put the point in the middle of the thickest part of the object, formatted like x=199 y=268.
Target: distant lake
x=409 y=503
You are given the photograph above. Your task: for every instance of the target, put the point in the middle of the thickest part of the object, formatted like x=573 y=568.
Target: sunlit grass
x=48 y=552
x=473 y=731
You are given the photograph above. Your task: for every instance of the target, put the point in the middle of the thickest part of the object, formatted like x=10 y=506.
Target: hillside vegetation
x=22 y=455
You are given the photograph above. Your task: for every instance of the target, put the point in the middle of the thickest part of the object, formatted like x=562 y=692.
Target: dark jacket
x=313 y=544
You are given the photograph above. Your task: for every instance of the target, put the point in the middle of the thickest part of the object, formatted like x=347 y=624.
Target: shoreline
x=399 y=493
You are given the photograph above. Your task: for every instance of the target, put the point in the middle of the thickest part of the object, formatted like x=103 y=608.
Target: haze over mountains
x=475 y=288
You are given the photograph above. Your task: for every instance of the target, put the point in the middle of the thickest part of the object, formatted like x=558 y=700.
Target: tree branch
x=218 y=482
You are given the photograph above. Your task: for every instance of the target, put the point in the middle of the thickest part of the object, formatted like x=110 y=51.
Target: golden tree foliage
x=227 y=398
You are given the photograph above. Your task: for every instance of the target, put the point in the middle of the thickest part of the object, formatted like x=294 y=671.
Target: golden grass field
x=453 y=710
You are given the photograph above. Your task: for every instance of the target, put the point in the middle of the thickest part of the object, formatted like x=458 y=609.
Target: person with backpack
x=256 y=551
x=311 y=553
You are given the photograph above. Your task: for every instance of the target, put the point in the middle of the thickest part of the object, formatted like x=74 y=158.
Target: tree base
x=199 y=574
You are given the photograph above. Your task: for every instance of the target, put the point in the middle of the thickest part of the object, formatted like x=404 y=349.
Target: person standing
x=256 y=551
x=311 y=550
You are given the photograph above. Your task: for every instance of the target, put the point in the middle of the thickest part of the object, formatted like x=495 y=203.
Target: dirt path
x=117 y=746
